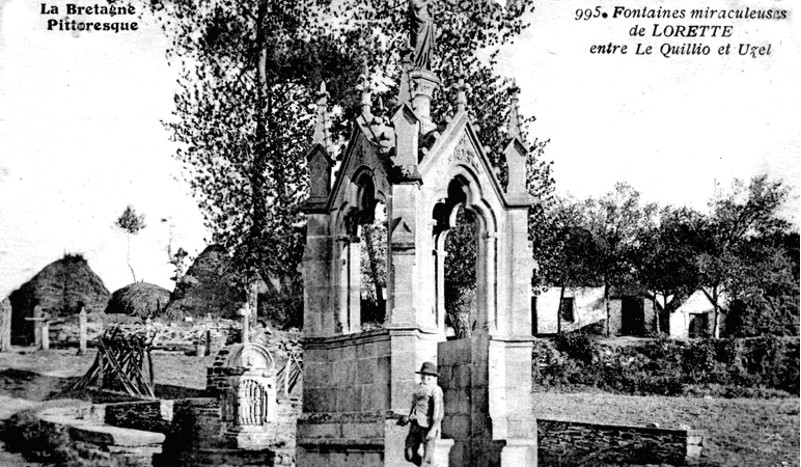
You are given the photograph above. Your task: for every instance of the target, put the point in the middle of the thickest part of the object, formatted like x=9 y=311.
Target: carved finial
x=461 y=95
x=367 y=98
x=321 y=119
x=404 y=90
x=513 y=125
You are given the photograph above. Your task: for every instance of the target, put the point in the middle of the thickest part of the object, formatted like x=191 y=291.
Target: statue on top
x=422 y=34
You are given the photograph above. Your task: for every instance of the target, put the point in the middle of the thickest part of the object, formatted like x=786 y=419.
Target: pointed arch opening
x=462 y=260
x=361 y=270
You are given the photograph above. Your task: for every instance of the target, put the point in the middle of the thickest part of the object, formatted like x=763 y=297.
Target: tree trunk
x=655 y=307
x=253 y=298
x=606 y=304
x=259 y=166
x=379 y=292
x=128 y=258
x=716 y=321
x=559 y=309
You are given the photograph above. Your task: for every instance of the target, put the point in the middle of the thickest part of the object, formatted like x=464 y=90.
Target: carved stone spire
x=404 y=88
x=515 y=151
x=321 y=119
x=461 y=95
x=513 y=125
x=318 y=158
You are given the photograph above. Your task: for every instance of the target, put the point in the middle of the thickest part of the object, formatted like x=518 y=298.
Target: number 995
x=588 y=13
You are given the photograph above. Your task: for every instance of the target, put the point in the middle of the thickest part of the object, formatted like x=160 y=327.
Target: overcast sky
x=80 y=132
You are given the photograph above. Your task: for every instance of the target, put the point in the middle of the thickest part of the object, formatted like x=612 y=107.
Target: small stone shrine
x=243 y=376
x=358 y=383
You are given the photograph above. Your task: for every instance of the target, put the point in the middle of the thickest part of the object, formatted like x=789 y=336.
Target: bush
x=577 y=345
x=283 y=309
x=726 y=368
x=24 y=433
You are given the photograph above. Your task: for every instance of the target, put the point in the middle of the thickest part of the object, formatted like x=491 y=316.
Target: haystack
x=139 y=299
x=208 y=287
x=60 y=289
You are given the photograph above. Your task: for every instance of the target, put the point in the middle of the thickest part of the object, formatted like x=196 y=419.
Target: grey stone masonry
x=355 y=389
x=485 y=383
x=579 y=443
x=146 y=415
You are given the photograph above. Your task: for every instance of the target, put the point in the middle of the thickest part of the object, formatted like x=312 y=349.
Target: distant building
x=630 y=314
x=696 y=317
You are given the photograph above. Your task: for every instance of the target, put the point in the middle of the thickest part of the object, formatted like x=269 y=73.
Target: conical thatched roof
x=60 y=289
x=208 y=287
x=139 y=299
x=62 y=286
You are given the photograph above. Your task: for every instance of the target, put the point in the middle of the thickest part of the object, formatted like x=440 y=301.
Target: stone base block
x=442 y=452
x=519 y=452
x=249 y=438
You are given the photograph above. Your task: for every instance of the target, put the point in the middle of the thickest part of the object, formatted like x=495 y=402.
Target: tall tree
x=564 y=250
x=665 y=260
x=130 y=222
x=741 y=222
x=616 y=222
x=249 y=69
x=460 y=271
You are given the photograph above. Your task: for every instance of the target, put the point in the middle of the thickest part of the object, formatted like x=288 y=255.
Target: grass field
x=741 y=432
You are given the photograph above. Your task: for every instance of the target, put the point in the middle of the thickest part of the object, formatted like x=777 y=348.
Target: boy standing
x=425 y=416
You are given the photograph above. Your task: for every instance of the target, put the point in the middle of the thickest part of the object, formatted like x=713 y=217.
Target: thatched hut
x=208 y=287
x=60 y=289
x=139 y=299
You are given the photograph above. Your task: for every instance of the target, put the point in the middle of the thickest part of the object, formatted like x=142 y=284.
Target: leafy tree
x=766 y=289
x=374 y=269
x=564 y=249
x=742 y=256
x=130 y=222
x=616 y=222
x=460 y=272
x=243 y=110
x=665 y=260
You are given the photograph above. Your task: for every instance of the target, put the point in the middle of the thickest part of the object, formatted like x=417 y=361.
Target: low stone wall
x=83 y=434
x=576 y=443
x=148 y=415
x=194 y=432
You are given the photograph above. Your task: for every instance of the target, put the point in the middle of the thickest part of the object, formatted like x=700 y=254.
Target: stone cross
x=37 y=329
x=82 y=331
x=244 y=312
x=45 y=332
x=5 y=325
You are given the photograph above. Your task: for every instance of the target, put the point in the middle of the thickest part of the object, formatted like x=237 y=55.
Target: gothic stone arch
x=357 y=383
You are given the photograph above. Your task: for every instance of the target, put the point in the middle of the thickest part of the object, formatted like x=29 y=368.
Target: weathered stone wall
x=347 y=377
x=186 y=432
x=88 y=439
x=149 y=415
x=355 y=388
x=485 y=383
x=615 y=444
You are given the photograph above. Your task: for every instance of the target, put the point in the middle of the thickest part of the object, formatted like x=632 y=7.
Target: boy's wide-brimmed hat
x=428 y=368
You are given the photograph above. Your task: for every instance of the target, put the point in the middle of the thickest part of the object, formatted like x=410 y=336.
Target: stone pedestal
x=486 y=383
x=355 y=389
x=424 y=84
